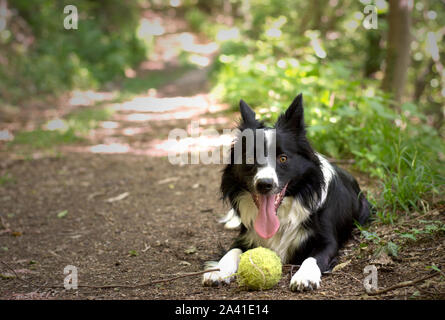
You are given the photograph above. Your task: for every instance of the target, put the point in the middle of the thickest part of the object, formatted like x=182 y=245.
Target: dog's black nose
x=264 y=185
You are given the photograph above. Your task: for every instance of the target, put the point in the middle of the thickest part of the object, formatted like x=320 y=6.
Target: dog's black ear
x=247 y=114
x=294 y=115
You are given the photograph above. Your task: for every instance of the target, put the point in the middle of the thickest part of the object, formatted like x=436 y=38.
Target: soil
x=65 y=209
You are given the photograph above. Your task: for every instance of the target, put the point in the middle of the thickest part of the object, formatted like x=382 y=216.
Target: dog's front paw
x=215 y=278
x=308 y=277
x=227 y=266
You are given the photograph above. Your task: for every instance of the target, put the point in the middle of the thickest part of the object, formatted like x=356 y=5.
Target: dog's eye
x=282 y=158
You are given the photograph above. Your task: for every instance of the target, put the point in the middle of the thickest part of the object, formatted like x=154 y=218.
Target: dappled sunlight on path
x=160 y=96
x=141 y=125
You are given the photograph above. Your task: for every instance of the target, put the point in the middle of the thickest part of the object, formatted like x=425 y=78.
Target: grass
x=83 y=120
x=152 y=79
x=347 y=118
x=6 y=178
x=404 y=234
x=43 y=139
x=425 y=228
x=72 y=129
x=410 y=182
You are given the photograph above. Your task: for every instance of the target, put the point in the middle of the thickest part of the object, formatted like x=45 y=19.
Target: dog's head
x=271 y=163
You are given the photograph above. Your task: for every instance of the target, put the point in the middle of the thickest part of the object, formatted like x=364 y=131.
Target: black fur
x=332 y=221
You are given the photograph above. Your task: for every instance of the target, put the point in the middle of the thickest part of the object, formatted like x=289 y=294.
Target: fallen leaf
x=341 y=266
x=133 y=253
x=184 y=263
x=62 y=214
x=190 y=250
x=383 y=259
x=167 y=180
x=120 y=197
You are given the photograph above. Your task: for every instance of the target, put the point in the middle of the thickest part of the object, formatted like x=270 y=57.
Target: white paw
x=228 y=266
x=308 y=277
x=215 y=278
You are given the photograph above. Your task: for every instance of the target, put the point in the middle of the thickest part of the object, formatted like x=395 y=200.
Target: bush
x=196 y=19
x=348 y=117
x=102 y=47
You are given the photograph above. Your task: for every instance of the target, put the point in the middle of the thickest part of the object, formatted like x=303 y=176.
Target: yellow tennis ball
x=259 y=269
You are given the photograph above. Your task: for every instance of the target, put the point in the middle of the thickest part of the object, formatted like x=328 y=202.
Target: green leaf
x=392 y=249
x=133 y=253
x=409 y=236
x=435 y=268
x=190 y=250
x=431 y=228
x=370 y=235
x=62 y=214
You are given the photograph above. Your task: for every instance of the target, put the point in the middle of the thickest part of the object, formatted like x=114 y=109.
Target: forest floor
x=113 y=206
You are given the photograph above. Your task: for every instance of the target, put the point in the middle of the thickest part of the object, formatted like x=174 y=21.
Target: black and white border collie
x=296 y=203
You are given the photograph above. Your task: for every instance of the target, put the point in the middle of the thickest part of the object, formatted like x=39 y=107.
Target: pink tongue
x=266 y=223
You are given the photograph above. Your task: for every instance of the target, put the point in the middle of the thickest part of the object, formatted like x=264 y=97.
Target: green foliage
x=62 y=214
x=390 y=248
x=383 y=246
x=427 y=228
x=152 y=79
x=42 y=139
x=6 y=178
x=435 y=268
x=348 y=115
x=83 y=120
x=133 y=253
x=370 y=236
x=196 y=19
x=103 y=46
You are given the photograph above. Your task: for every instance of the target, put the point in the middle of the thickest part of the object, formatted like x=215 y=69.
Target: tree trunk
x=374 y=56
x=398 y=47
x=421 y=81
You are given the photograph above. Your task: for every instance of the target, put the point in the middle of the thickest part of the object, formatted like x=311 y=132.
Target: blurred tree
x=374 y=53
x=398 y=51
x=38 y=56
x=421 y=81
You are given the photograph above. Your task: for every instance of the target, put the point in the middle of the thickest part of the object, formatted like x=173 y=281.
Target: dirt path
x=116 y=209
